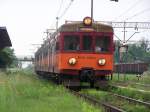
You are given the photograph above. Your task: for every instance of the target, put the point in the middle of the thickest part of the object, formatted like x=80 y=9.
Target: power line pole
x=124 y=30
x=57 y=18
x=92 y=10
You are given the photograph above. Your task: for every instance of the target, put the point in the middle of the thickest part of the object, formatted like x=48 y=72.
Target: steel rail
x=132 y=100
x=108 y=107
x=145 y=85
x=129 y=98
x=124 y=86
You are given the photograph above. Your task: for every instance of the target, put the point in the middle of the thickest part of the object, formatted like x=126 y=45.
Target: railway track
x=145 y=85
x=132 y=83
x=132 y=88
x=107 y=107
x=115 y=107
x=145 y=103
x=131 y=99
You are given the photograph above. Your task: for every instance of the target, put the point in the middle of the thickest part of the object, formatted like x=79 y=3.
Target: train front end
x=86 y=51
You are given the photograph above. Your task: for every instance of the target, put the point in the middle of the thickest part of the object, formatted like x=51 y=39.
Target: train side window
x=49 y=49
x=87 y=42
x=57 y=46
x=71 y=42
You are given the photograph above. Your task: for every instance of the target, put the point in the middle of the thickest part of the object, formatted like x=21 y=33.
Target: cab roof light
x=87 y=21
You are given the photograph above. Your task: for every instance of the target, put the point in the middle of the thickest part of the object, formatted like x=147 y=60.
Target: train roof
x=4 y=38
x=76 y=26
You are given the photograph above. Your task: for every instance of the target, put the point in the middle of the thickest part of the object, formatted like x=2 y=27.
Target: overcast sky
x=27 y=20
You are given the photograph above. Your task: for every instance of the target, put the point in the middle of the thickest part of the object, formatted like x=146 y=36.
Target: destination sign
x=87 y=29
x=86 y=57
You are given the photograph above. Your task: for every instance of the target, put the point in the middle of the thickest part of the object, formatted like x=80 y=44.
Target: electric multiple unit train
x=79 y=51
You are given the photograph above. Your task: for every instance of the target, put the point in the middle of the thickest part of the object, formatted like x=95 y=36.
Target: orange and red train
x=77 y=52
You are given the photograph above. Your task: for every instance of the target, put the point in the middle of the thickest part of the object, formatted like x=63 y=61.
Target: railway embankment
x=23 y=91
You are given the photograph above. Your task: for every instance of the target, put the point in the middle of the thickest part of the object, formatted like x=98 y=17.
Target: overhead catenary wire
x=132 y=16
x=58 y=12
x=137 y=14
x=147 y=30
x=61 y=4
x=126 y=11
x=66 y=9
x=63 y=13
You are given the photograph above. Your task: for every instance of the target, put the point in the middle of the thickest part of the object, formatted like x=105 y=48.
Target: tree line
x=8 y=58
x=137 y=52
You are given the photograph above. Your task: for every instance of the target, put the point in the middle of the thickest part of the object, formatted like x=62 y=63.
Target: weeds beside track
x=23 y=92
x=107 y=107
x=120 y=101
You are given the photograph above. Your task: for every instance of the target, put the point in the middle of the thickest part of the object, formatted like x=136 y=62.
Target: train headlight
x=72 y=61
x=101 y=61
x=87 y=21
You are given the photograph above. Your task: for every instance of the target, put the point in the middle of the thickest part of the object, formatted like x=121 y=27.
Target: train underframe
x=74 y=78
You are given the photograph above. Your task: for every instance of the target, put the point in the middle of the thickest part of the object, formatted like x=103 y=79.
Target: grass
x=145 y=78
x=130 y=80
x=125 y=105
x=21 y=91
x=143 y=96
x=133 y=87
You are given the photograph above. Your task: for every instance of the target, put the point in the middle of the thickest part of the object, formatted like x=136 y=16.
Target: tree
x=144 y=45
x=116 y=54
x=136 y=52
x=7 y=58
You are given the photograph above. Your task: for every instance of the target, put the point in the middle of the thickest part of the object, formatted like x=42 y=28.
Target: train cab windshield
x=71 y=42
x=87 y=43
x=102 y=44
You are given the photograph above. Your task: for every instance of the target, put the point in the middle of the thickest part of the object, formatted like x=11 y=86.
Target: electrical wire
x=137 y=14
x=66 y=9
x=146 y=30
x=59 y=10
x=61 y=4
x=126 y=11
x=60 y=7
